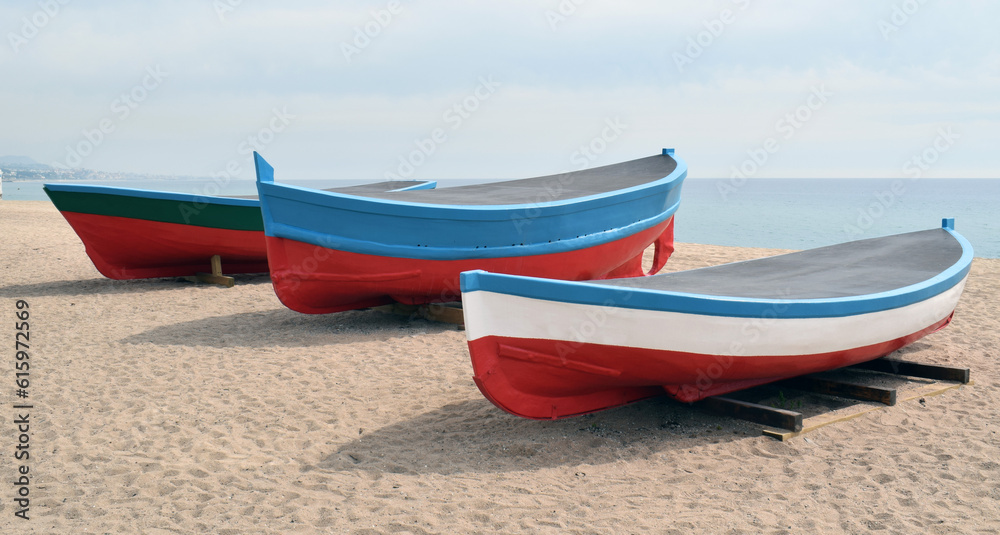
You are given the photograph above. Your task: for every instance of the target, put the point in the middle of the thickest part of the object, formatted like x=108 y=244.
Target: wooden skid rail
x=915 y=369
x=843 y=389
x=753 y=412
x=440 y=312
x=792 y=423
x=822 y=420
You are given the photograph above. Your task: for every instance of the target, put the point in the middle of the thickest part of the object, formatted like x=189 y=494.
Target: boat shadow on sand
x=101 y=285
x=281 y=327
x=474 y=436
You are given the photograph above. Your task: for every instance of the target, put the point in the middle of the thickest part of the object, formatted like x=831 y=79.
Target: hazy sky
x=448 y=89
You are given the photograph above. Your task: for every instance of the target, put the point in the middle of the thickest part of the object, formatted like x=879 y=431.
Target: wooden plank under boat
x=136 y=234
x=550 y=349
x=332 y=251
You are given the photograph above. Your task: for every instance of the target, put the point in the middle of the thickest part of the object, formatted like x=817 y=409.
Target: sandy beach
x=162 y=406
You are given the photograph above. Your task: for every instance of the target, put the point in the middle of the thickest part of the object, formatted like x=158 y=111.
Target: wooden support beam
x=398 y=309
x=753 y=412
x=822 y=420
x=915 y=369
x=216 y=276
x=439 y=312
x=842 y=389
x=444 y=313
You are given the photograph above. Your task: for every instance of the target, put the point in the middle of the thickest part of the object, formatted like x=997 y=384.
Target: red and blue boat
x=138 y=234
x=335 y=251
x=548 y=349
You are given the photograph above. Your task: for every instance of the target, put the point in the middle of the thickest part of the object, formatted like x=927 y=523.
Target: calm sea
x=775 y=213
x=806 y=213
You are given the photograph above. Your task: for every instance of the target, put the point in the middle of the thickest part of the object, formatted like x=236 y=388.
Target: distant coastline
x=26 y=169
x=22 y=174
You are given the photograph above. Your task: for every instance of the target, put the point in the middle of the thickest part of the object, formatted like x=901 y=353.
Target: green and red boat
x=140 y=234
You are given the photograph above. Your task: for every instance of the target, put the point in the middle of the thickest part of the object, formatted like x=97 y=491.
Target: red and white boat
x=550 y=349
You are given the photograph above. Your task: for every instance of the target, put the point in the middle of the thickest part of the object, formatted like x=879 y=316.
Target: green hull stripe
x=206 y=214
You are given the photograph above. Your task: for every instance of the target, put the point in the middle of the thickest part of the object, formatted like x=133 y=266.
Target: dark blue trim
x=150 y=194
x=401 y=229
x=636 y=298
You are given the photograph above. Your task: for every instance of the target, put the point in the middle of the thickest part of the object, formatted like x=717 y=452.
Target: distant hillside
x=21 y=162
x=24 y=169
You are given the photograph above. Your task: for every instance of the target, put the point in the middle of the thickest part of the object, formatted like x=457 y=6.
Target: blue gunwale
x=451 y=253
x=179 y=196
x=463 y=211
x=486 y=212
x=584 y=293
x=430 y=184
x=403 y=229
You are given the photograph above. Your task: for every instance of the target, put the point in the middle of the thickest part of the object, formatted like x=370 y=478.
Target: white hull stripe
x=496 y=314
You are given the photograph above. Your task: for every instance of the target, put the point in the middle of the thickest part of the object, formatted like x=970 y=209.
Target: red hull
x=550 y=379
x=315 y=280
x=126 y=248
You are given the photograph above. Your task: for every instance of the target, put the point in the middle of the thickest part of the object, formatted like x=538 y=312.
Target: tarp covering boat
x=551 y=349
x=333 y=251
